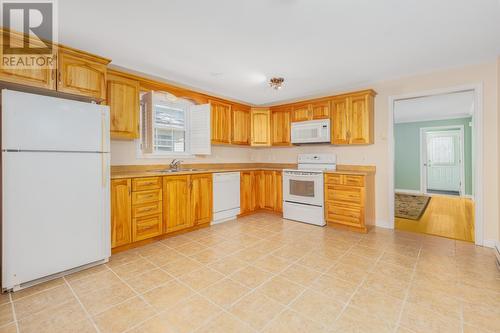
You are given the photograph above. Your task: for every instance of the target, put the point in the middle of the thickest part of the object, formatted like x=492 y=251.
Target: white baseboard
x=383 y=224
x=401 y=190
x=490 y=243
x=468 y=196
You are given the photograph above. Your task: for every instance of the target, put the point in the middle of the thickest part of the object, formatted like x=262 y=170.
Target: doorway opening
x=433 y=185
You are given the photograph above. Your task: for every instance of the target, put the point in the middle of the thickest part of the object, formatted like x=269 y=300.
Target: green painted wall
x=407 y=152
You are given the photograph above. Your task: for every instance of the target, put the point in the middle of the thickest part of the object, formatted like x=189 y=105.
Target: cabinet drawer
x=143 y=184
x=353 y=180
x=333 y=179
x=146 y=227
x=146 y=196
x=147 y=209
x=344 y=194
x=352 y=216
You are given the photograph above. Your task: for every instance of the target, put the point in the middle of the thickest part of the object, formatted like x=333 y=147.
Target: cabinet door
x=278 y=187
x=146 y=227
x=247 y=192
x=269 y=189
x=301 y=113
x=340 y=127
x=320 y=110
x=201 y=198
x=260 y=194
x=241 y=126
x=221 y=122
x=261 y=128
x=280 y=127
x=123 y=100
x=35 y=77
x=121 y=212
x=176 y=203
x=360 y=119
x=81 y=75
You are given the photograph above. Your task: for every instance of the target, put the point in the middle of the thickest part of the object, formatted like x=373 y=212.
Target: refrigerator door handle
x=104 y=168
x=103 y=132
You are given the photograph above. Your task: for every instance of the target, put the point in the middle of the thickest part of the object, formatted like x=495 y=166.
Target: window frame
x=178 y=103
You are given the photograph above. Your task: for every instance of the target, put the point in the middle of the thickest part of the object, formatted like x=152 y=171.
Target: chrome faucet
x=175 y=164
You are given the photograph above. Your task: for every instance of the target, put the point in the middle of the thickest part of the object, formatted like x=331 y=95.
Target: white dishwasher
x=226 y=196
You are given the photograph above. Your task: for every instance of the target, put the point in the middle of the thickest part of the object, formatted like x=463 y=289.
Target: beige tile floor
x=265 y=274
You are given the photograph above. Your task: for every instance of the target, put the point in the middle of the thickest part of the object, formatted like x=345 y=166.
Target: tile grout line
x=407 y=292
x=225 y=276
x=137 y=294
x=289 y=308
x=87 y=314
x=14 y=315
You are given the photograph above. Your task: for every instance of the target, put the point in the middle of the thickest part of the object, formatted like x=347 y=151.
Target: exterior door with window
x=443 y=164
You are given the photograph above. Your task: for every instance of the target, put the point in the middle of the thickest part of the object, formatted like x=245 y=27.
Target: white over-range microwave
x=311 y=131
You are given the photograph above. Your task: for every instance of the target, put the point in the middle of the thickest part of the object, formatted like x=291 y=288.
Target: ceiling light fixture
x=276 y=82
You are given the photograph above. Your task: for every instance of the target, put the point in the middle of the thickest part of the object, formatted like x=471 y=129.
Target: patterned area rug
x=410 y=206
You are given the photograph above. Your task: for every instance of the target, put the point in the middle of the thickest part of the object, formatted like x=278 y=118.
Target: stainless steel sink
x=175 y=170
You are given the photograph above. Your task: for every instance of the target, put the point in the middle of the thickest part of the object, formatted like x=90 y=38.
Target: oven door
x=303 y=187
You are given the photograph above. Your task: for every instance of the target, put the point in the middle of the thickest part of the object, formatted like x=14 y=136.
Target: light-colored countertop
x=156 y=173
x=119 y=172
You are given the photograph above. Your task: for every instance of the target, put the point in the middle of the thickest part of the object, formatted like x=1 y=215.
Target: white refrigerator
x=55 y=187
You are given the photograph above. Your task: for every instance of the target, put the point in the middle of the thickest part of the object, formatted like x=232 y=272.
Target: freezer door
x=36 y=122
x=55 y=213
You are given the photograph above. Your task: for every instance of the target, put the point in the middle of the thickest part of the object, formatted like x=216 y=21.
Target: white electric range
x=303 y=193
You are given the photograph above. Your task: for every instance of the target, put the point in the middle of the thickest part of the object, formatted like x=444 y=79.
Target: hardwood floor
x=445 y=216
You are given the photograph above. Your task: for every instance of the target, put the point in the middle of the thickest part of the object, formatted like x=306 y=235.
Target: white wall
x=124 y=153
x=377 y=154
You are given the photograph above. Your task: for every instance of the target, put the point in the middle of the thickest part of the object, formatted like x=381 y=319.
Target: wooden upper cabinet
x=260 y=127
x=82 y=74
x=361 y=119
x=280 y=127
x=241 y=126
x=340 y=130
x=320 y=110
x=301 y=113
x=221 y=122
x=352 y=118
x=35 y=77
x=176 y=203
x=123 y=100
x=201 y=198
x=311 y=111
x=121 y=212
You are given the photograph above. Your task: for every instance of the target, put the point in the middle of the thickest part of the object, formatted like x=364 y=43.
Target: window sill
x=165 y=156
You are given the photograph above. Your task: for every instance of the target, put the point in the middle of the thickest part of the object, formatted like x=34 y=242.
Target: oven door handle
x=319 y=175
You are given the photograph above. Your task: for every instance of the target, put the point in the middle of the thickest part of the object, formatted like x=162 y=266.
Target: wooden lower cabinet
x=201 y=198
x=146 y=208
x=176 y=203
x=248 y=193
x=121 y=214
x=261 y=190
x=349 y=200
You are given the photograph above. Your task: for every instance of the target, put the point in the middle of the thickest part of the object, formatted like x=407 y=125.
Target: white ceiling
x=232 y=47
x=437 y=107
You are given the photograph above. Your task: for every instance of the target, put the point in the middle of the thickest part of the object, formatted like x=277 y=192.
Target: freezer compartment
x=55 y=213
x=36 y=122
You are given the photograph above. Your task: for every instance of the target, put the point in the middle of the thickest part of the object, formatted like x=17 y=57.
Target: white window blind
x=171 y=126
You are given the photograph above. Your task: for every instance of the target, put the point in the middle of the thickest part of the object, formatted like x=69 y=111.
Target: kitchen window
x=171 y=126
